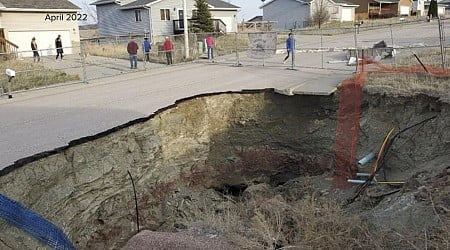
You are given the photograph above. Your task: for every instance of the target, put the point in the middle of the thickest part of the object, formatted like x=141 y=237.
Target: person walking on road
x=289 y=46
x=132 y=49
x=59 y=47
x=147 y=46
x=210 y=46
x=168 y=49
x=34 y=48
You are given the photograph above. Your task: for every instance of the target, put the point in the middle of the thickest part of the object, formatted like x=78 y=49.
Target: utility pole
x=186 y=35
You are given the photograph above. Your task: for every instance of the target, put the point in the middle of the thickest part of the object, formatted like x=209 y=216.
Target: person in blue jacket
x=147 y=46
x=289 y=46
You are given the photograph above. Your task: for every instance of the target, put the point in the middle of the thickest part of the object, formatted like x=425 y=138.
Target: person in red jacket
x=132 y=49
x=168 y=49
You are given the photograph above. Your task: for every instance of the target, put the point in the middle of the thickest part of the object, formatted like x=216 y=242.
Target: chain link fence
x=327 y=48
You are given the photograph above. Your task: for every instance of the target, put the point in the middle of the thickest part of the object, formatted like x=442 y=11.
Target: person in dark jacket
x=132 y=49
x=289 y=46
x=34 y=48
x=59 y=47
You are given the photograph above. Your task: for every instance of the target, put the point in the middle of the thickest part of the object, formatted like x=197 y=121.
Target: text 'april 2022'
x=65 y=17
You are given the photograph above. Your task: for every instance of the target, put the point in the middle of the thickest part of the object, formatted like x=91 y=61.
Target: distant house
x=44 y=19
x=446 y=4
x=157 y=17
x=292 y=14
x=418 y=8
x=382 y=8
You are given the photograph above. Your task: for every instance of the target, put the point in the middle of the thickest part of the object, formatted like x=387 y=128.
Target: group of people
x=168 y=48
x=133 y=47
x=58 y=46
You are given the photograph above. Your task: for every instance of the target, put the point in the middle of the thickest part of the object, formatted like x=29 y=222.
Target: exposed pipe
x=363 y=161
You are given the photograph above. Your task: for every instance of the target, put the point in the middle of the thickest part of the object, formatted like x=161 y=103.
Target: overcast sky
x=249 y=8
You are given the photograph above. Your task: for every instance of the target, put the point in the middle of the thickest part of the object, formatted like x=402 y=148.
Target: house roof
x=38 y=4
x=387 y=1
x=219 y=4
x=338 y=2
x=216 y=4
x=255 y=19
x=344 y=2
x=100 y=2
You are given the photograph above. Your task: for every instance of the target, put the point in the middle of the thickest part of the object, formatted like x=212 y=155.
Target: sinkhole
x=186 y=157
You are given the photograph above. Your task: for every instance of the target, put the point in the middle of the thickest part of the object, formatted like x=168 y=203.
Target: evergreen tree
x=202 y=20
x=433 y=9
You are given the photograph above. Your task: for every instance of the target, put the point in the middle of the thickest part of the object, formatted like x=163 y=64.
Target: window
x=165 y=14
x=137 y=16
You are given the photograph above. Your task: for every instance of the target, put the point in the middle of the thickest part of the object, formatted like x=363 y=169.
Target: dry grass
x=276 y=222
x=411 y=84
x=32 y=75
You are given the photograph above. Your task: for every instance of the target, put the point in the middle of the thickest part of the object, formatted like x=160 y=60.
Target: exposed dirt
x=254 y=167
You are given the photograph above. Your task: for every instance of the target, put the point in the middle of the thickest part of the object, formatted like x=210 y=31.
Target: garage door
x=44 y=39
x=404 y=10
x=347 y=15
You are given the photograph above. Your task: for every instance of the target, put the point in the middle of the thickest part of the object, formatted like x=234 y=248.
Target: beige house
x=21 y=20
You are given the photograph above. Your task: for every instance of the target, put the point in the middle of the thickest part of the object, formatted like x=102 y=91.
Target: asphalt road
x=41 y=120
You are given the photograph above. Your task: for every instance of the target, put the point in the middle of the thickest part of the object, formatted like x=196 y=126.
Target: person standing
x=34 y=48
x=168 y=49
x=210 y=46
x=132 y=49
x=59 y=47
x=289 y=46
x=147 y=46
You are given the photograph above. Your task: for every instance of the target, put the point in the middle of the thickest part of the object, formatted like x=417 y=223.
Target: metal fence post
x=321 y=46
x=238 y=63
x=83 y=63
x=441 y=39
x=356 y=49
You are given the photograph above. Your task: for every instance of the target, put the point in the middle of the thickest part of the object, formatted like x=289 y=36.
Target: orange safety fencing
x=349 y=112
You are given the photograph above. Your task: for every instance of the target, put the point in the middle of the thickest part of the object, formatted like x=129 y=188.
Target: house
x=292 y=14
x=43 y=19
x=446 y=4
x=157 y=17
x=382 y=8
x=418 y=8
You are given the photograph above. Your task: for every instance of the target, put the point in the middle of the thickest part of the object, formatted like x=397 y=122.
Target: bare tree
x=89 y=10
x=320 y=13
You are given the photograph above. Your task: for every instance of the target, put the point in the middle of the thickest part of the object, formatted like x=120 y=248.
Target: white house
x=22 y=20
x=292 y=14
x=157 y=17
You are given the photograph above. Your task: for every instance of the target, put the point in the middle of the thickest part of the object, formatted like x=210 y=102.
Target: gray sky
x=249 y=8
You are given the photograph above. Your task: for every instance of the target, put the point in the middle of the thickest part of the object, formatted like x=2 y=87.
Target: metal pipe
x=362 y=174
x=186 y=34
x=363 y=161
x=356 y=181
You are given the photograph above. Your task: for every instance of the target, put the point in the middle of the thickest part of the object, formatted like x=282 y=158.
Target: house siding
x=362 y=11
x=288 y=14
x=113 y=21
x=228 y=17
x=164 y=27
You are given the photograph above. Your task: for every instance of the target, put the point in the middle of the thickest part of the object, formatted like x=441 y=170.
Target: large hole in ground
x=186 y=158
